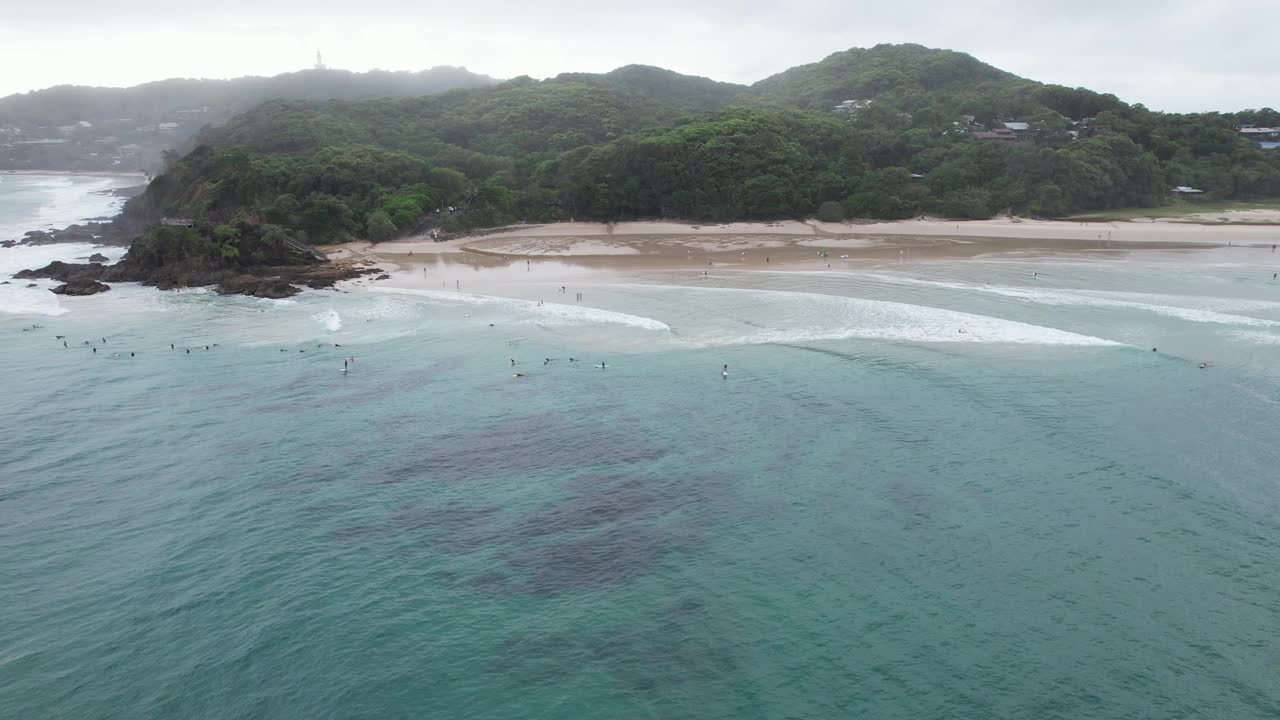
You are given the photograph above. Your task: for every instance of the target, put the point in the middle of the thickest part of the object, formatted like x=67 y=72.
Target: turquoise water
x=874 y=515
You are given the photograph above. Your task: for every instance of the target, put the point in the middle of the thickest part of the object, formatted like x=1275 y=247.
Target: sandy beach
x=789 y=244
x=78 y=173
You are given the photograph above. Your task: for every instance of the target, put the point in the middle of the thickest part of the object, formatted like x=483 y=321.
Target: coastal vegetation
x=889 y=132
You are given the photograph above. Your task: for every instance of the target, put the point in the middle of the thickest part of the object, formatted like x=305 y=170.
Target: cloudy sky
x=1177 y=55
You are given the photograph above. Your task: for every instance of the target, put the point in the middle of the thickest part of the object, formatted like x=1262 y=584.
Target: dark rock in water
x=74 y=233
x=58 y=270
x=383 y=276
x=169 y=257
x=6 y=282
x=81 y=286
x=28 y=284
x=8 y=243
x=274 y=288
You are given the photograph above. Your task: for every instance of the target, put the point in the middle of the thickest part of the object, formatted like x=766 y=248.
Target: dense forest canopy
x=886 y=132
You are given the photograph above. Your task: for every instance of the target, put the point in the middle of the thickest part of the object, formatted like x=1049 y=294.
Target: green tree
x=831 y=211
x=379 y=226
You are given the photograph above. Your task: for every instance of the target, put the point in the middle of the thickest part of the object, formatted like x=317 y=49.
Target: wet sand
x=790 y=244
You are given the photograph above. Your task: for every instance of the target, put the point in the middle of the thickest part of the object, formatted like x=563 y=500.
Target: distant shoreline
x=73 y=173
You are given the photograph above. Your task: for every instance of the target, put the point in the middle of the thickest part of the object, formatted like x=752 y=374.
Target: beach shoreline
x=76 y=173
x=787 y=244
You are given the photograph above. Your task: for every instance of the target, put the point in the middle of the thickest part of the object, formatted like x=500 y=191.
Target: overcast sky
x=1177 y=55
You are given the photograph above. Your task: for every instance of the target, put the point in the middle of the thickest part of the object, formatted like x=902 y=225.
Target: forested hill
x=95 y=128
x=885 y=132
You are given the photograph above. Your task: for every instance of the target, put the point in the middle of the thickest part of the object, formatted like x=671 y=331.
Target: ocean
x=926 y=489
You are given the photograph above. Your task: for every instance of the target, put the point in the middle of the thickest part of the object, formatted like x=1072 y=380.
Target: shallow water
x=874 y=515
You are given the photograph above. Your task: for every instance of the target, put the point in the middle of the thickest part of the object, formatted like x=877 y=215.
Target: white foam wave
x=545 y=314
x=807 y=317
x=17 y=299
x=23 y=257
x=1097 y=299
x=330 y=318
x=1256 y=337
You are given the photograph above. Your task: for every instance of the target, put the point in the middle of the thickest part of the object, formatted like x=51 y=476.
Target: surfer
x=521 y=375
x=64 y=344
x=171 y=347
x=602 y=365
x=573 y=359
x=724 y=371
x=1206 y=365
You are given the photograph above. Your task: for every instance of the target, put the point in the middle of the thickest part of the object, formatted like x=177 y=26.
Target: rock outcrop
x=80 y=286
x=258 y=281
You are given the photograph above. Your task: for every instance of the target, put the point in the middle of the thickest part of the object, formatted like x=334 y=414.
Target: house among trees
x=997 y=134
x=1184 y=190
x=851 y=107
x=1267 y=137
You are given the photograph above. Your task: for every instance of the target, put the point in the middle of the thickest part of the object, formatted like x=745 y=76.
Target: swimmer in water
x=573 y=359
x=520 y=375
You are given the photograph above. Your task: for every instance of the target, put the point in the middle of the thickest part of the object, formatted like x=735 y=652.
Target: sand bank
x=783 y=244
x=78 y=173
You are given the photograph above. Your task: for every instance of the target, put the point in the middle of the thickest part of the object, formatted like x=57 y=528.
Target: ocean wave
x=1257 y=338
x=1088 y=298
x=545 y=314
x=21 y=300
x=330 y=318
x=839 y=317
